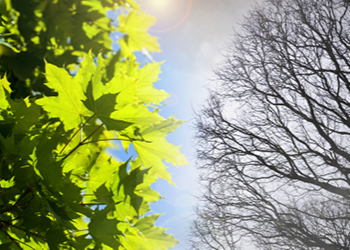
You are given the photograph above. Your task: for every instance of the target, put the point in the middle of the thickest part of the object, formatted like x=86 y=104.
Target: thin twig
x=117 y=139
x=92 y=133
x=92 y=204
x=71 y=152
x=76 y=132
x=81 y=143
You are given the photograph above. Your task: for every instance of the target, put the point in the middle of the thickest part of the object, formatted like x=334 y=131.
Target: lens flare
x=167 y=11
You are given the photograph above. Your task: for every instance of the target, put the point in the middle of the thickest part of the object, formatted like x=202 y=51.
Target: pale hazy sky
x=193 y=35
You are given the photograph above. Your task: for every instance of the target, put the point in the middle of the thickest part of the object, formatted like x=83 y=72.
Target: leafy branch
x=84 y=141
x=48 y=127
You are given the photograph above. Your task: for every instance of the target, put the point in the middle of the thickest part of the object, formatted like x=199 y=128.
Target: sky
x=193 y=35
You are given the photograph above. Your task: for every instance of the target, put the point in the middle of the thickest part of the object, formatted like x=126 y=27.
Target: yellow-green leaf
x=5 y=90
x=68 y=105
x=153 y=153
x=135 y=25
x=145 y=79
x=149 y=237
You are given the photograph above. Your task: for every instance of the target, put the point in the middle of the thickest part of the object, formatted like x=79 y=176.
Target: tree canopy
x=68 y=91
x=273 y=138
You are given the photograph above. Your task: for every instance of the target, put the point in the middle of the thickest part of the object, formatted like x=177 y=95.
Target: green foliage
x=59 y=187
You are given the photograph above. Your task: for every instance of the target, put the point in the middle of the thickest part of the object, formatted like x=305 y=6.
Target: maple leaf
x=135 y=25
x=68 y=105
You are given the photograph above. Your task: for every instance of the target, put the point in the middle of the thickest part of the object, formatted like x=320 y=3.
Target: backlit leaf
x=5 y=90
x=68 y=105
x=135 y=24
x=152 y=237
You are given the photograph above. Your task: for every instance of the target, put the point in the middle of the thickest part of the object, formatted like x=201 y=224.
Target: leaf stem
x=81 y=143
x=92 y=204
x=118 y=139
x=71 y=152
x=70 y=139
x=76 y=132
x=93 y=132
x=81 y=132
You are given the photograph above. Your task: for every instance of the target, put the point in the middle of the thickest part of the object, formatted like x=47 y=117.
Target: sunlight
x=170 y=13
x=160 y=5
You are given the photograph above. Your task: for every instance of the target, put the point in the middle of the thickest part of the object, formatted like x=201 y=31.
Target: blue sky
x=193 y=35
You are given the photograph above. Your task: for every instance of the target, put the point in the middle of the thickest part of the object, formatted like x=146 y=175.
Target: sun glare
x=160 y=5
x=170 y=13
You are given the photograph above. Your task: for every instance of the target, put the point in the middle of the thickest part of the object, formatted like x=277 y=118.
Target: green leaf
x=151 y=237
x=5 y=90
x=68 y=105
x=27 y=114
x=155 y=148
x=161 y=128
x=136 y=85
x=50 y=170
x=153 y=153
x=104 y=195
x=136 y=24
x=104 y=171
x=55 y=236
x=128 y=184
x=7 y=184
x=137 y=114
x=103 y=108
x=145 y=78
x=34 y=218
x=103 y=229
x=81 y=242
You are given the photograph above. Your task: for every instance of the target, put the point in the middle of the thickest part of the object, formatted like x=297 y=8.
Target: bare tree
x=274 y=137
x=213 y=233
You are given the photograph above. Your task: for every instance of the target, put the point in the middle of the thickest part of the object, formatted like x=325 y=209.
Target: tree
x=65 y=97
x=206 y=233
x=273 y=136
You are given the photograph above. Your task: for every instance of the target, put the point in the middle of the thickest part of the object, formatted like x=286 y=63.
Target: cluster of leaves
x=61 y=32
x=59 y=188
